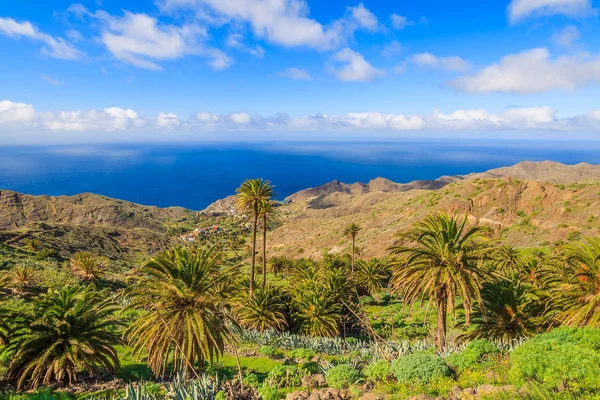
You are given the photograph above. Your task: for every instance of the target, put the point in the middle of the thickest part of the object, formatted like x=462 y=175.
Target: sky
x=176 y=70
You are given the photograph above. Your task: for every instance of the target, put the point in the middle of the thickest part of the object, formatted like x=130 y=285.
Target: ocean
x=195 y=175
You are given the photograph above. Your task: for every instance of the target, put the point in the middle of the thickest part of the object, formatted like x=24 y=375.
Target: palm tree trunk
x=253 y=265
x=264 y=271
x=440 y=329
x=353 y=247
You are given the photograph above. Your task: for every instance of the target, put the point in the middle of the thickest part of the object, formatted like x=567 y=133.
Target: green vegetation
x=448 y=309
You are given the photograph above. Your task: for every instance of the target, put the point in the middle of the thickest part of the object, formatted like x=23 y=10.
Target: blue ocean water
x=194 y=175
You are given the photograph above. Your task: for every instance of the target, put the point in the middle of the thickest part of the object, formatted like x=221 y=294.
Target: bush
x=286 y=376
x=476 y=352
x=419 y=368
x=564 y=359
x=268 y=392
x=251 y=380
x=302 y=354
x=270 y=351
x=379 y=371
x=341 y=376
x=311 y=367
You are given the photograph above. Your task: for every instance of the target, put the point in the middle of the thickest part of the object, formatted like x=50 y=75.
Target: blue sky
x=108 y=70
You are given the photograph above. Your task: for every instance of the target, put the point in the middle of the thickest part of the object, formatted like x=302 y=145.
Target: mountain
x=526 y=204
x=115 y=228
x=545 y=171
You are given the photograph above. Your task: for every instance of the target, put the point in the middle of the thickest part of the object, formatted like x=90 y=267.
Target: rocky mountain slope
x=116 y=228
x=527 y=204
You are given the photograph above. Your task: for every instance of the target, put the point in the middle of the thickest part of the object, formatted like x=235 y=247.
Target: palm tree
x=265 y=209
x=351 y=231
x=444 y=264
x=573 y=280
x=316 y=313
x=4 y=328
x=280 y=264
x=512 y=311
x=22 y=279
x=249 y=197
x=180 y=290
x=70 y=330
x=372 y=276
x=263 y=311
x=86 y=267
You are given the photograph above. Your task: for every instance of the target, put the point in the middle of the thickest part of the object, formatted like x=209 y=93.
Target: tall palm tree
x=180 y=290
x=85 y=266
x=573 y=280
x=265 y=210
x=351 y=231
x=444 y=263
x=69 y=331
x=249 y=197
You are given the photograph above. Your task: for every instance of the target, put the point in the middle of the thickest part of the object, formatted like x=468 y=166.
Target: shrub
x=341 y=376
x=285 y=376
x=251 y=380
x=565 y=358
x=475 y=352
x=270 y=351
x=379 y=371
x=419 y=368
x=268 y=392
x=302 y=354
x=311 y=367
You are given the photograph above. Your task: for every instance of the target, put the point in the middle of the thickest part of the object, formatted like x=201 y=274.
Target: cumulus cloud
x=400 y=22
x=283 y=22
x=297 y=74
x=429 y=60
x=533 y=71
x=351 y=66
x=55 y=47
x=519 y=10
x=14 y=117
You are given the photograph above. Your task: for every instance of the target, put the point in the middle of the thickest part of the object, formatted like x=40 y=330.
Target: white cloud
x=20 y=117
x=351 y=66
x=297 y=74
x=392 y=49
x=567 y=38
x=141 y=40
x=235 y=40
x=55 y=47
x=16 y=112
x=400 y=22
x=533 y=71
x=429 y=60
x=240 y=118
x=519 y=10
x=51 y=81
x=281 y=22
x=167 y=120
x=364 y=18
